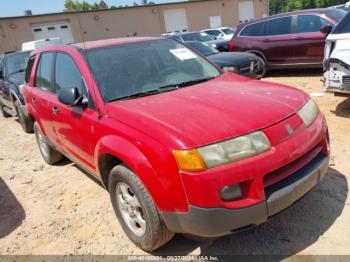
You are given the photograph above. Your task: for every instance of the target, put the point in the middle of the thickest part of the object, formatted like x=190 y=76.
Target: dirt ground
x=60 y=210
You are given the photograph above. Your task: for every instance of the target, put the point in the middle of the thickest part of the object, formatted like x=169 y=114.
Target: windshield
x=16 y=62
x=343 y=27
x=203 y=48
x=202 y=37
x=336 y=14
x=126 y=70
x=228 y=31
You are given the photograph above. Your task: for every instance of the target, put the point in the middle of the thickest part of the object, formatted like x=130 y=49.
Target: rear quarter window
x=254 y=30
x=29 y=68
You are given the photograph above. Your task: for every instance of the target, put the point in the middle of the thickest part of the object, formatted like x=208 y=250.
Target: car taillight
x=231 y=45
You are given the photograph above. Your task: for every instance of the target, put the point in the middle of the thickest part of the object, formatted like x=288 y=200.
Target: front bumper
x=213 y=222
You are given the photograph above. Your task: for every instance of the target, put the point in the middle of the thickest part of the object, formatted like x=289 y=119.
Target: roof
x=113 y=41
x=309 y=11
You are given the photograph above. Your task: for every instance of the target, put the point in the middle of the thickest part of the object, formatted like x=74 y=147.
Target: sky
x=17 y=7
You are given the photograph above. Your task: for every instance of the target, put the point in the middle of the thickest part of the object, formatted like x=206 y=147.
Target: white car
x=32 y=45
x=337 y=58
x=224 y=33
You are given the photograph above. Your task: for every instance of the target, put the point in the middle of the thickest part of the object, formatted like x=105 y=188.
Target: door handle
x=33 y=101
x=55 y=110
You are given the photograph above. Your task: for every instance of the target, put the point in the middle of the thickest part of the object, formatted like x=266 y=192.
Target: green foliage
x=281 y=6
x=76 y=5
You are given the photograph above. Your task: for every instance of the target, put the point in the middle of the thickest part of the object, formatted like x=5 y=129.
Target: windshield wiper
x=165 y=88
x=197 y=81
x=16 y=72
x=161 y=89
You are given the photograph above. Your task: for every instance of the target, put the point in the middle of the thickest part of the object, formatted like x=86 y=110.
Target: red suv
x=289 y=40
x=181 y=146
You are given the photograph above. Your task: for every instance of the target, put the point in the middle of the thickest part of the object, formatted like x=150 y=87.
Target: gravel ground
x=61 y=210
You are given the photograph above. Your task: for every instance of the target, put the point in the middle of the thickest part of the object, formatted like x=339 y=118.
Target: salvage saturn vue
x=181 y=146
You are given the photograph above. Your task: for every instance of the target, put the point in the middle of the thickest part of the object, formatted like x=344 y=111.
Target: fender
x=13 y=93
x=158 y=185
x=259 y=53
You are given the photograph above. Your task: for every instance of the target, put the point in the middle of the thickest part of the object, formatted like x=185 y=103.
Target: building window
x=50 y=28
x=37 y=30
x=64 y=26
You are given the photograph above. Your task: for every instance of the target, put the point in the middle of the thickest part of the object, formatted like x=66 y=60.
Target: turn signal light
x=189 y=160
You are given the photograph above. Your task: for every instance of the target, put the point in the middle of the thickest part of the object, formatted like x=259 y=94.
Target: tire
x=264 y=71
x=136 y=211
x=25 y=122
x=3 y=113
x=50 y=155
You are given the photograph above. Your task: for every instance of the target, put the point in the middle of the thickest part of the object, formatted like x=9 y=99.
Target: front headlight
x=308 y=112
x=231 y=69
x=221 y=153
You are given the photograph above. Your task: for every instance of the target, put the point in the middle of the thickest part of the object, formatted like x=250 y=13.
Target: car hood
x=17 y=78
x=222 y=108
x=237 y=59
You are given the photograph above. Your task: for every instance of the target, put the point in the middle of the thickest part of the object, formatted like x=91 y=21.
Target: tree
x=102 y=5
x=75 y=5
x=135 y=4
x=280 y=6
x=151 y=3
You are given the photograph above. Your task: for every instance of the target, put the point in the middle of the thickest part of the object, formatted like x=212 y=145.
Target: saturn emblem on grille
x=290 y=129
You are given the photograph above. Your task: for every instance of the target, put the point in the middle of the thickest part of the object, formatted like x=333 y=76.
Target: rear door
x=74 y=126
x=309 y=47
x=44 y=93
x=278 y=42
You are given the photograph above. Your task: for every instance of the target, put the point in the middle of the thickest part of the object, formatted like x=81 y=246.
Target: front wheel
x=50 y=155
x=136 y=210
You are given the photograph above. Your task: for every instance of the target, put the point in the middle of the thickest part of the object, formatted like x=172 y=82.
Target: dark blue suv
x=12 y=75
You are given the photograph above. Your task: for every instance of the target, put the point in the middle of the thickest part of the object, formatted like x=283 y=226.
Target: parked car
x=12 y=71
x=245 y=64
x=180 y=146
x=290 y=40
x=225 y=33
x=337 y=58
x=221 y=45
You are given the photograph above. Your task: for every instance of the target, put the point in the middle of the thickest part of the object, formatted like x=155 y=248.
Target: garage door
x=60 y=29
x=246 y=11
x=175 y=20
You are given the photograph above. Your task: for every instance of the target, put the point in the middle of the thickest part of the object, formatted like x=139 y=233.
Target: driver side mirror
x=326 y=30
x=70 y=96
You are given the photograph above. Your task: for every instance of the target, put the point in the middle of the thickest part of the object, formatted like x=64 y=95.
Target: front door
x=309 y=47
x=74 y=126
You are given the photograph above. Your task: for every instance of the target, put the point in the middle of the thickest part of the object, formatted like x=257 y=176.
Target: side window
x=254 y=30
x=67 y=74
x=310 y=23
x=344 y=26
x=43 y=78
x=29 y=68
x=213 y=32
x=280 y=26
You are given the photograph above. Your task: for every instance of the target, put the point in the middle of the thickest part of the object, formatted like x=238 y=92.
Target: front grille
x=276 y=178
x=346 y=82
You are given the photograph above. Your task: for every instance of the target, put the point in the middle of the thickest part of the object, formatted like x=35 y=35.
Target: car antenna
x=99 y=115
